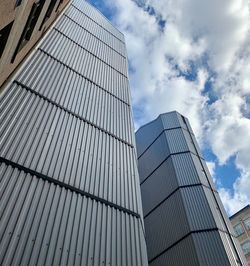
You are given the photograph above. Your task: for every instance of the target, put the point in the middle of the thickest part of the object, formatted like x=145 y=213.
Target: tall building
x=185 y=222
x=70 y=192
x=241 y=224
x=22 y=23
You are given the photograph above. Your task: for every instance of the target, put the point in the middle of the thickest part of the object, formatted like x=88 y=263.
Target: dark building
x=70 y=192
x=184 y=218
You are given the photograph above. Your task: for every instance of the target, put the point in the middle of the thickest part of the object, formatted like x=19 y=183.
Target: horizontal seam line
x=43 y=51
x=164 y=130
x=67 y=186
x=171 y=154
x=215 y=199
x=173 y=192
x=67 y=16
x=97 y=23
x=72 y=113
x=185 y=236
x=119 y=72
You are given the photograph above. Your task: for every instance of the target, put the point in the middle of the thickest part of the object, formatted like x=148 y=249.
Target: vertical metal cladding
x=70 y=190
x=184 y=219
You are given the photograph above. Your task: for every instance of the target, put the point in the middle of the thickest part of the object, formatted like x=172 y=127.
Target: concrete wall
x=8 y=13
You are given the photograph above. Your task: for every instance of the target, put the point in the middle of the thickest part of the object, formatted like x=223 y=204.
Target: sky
x=193 y=56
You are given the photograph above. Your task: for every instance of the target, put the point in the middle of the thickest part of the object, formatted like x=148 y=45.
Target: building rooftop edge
x=107 y=19
x=174 y=111
x=238 y=212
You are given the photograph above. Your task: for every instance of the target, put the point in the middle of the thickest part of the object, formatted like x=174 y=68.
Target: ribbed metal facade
x=185 y=221
x=70 y=192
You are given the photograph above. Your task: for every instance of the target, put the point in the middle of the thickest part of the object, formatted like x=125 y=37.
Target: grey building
x=184 y=219
x=70 y=192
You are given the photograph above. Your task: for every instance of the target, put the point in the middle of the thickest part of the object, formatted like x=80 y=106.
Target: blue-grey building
x=185 y=221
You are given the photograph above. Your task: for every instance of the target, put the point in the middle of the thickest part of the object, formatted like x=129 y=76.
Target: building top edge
x=154 y=120
x=240 y=211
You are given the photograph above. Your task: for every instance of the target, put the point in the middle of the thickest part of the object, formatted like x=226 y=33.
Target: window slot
x=49 y=12
x=29 y=26
x=4 y=35
x=18 y=3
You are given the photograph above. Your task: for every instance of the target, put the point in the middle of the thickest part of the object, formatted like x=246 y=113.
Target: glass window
x=48 y=12
x=245 y=247
x=18 y=2
x=4 y=35
x=29 y=26
x=247 y=223
x=239 y=230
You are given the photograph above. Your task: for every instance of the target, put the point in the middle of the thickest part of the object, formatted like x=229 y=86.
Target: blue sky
x=194 y=57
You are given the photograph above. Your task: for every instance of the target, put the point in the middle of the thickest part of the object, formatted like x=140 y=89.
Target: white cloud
x=212 y=40
x=211 y=167
x=239 y=198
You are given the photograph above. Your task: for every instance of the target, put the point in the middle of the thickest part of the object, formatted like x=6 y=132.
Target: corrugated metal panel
x=153 y=157
x=179 y=199
x=193 y=144
x=98 y=18
x=186 y=255
x=197 y=208
x=112 y=88
x=147 y=134
x=188 y=169
x=224 y=214
x=164 y=181
x=199 y=163
x=170 y=120
x=230 y=249
x=187 y=124
x=95 y=29
x=42 y=223
x=176 y=141
x=207 y=175
x=184 y=211
x=182 y=121
x=215 y=210
x=86 y=64
x=67 y=116
x=51 y=141
x=177 y=170
x=174 y=127
x=78 y=95
x=56 y=37
x=88 y=41
x=189 y=142
x=211 y=254
x=169 y=142
x=166 y=225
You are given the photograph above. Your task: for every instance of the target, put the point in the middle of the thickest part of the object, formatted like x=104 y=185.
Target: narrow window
x=18 y=3
x=60 y=2
x=247 y=223
x=246 y=247
x=238 y=229
x=29 y=26
x=49 y=12
x=4 y=35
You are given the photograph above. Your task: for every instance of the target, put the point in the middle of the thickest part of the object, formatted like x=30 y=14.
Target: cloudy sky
x=193 y=56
